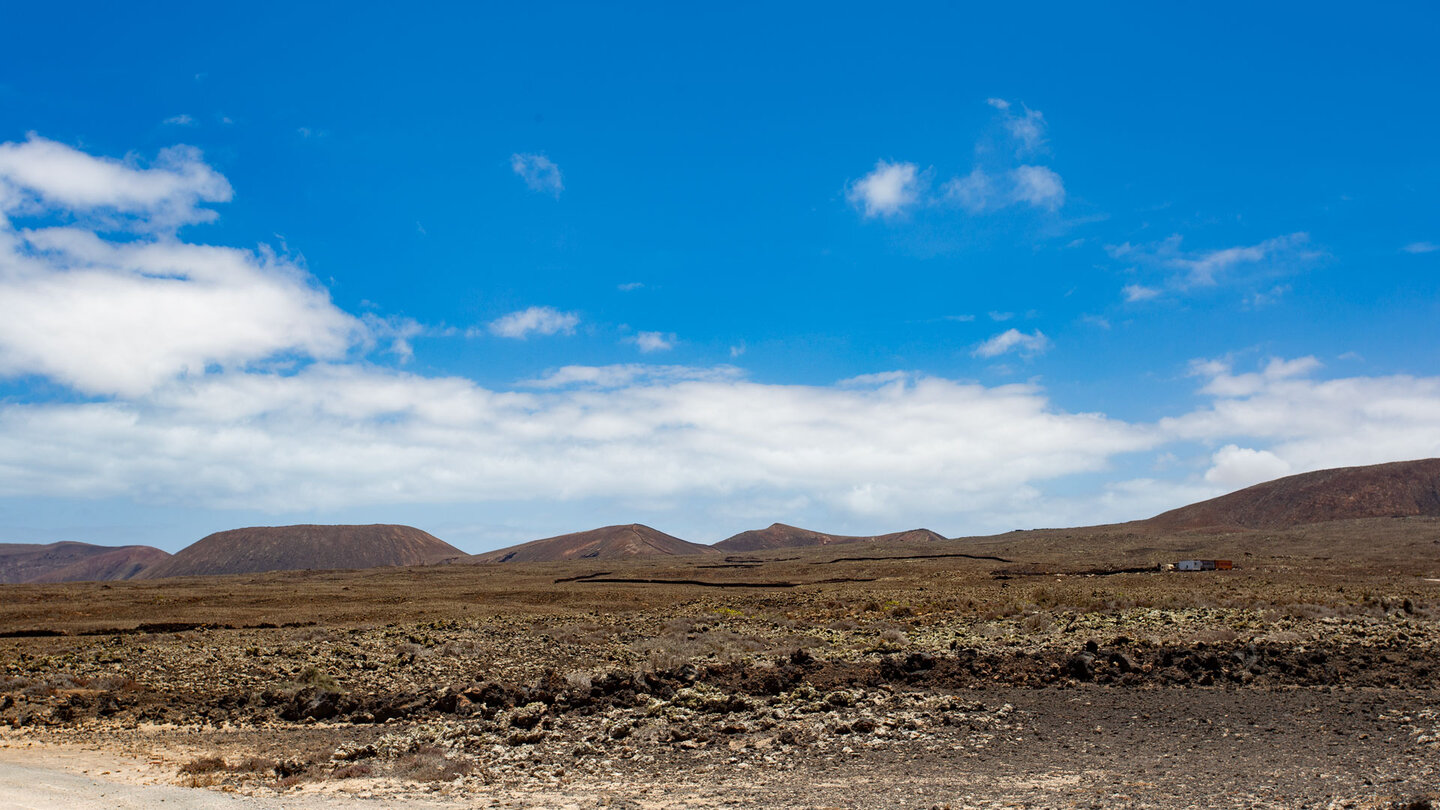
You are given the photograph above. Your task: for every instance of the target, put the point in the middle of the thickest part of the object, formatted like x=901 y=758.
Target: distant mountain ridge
x=779 y=535
x=1396 y=489
x=607 y=542
x=69 y=561
x=286 y=548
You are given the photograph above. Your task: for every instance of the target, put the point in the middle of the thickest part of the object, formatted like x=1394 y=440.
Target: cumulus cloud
x=535 y=321
x=121 y=316
x=1013 y=340
x=1237 y=467
x=40 y=175
x=1039 y=186
x=887 y=191
x=648 y=342
x=1313 y=424
x=539 y=173
x=893 y=188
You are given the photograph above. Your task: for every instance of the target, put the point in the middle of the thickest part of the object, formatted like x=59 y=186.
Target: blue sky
x=502 y=273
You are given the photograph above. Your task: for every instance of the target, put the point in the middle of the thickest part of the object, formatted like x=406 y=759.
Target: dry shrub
x=354 y=770
x=1038 y=622
x=201 y=765
x=431 y=764
x=255 y=765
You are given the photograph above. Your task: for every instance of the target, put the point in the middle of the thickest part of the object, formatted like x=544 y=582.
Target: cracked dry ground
x=935 y=682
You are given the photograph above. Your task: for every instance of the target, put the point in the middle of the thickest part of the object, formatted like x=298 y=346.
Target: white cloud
x=1315 y=424
x=974 y=192
x=1139 y=292
x=331 y=436
x=181 y=120
x=535 y=321
x=123 y=316
x=1207 y=268
x=1238 y=467
x=892 y=188
x=653 y=341
x=1039 y=186
x=1028 y=128
x=1013 y=340
x=630 y=286
x=980 y=192
x=44 y=175
x=886 y=191
x=539 y=173
x=1421 y=247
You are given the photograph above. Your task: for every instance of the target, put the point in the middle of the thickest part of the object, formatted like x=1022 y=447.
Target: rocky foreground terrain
x=1035 y=669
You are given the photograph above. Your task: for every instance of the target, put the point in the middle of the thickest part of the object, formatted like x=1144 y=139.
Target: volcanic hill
x=609 y=542
x=285 y=548
x=73 y=562
x=1397 y=489
x=779 y=535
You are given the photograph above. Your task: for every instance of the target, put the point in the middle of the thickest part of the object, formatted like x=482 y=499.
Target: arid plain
x=1052 y=668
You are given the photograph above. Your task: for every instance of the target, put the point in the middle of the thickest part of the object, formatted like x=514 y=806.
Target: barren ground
x=1306 y=677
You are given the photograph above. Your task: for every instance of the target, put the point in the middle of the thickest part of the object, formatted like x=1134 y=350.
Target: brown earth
x=288 y=548
x=1052 y=668
x=609 y=542
x=779 y=535
x=1398 y=489
x=73 y=562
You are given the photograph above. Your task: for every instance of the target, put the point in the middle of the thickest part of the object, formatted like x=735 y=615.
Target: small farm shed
x=1204 y=565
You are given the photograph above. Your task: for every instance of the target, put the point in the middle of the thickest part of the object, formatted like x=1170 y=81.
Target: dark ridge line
x=913 y=557
x=639 y=581
x=581 y=577
x=154 y=627
x=732 y=565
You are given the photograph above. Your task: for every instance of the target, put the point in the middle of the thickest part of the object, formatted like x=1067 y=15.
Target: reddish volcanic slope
x=1398 y=489
x=779 y=535
x=286 y=548
x=633 y=540
x=73 y=562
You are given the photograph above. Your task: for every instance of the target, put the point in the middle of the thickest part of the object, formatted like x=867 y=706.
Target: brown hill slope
x=779 y=535
x=73 y=562
x=285 y=548
x=1398 y=489
x=125 y=562
x=633 y=540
